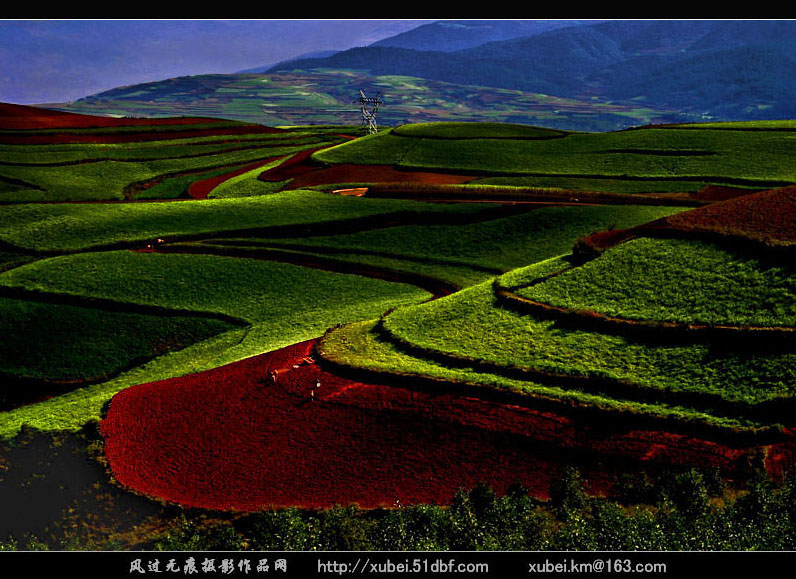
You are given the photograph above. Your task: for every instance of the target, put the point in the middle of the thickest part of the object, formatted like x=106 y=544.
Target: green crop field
x=248 y=184
x=64 y=343
x=64 y=154
x=221 y=256
x=782 y=124
x=678 y=281
x=470 y=330
x=281 y=303
x=248 y=289
x=469 y=268
x=471 y=325
x=495 y=245
x=616 y=185
x=357 y=346
x=200 y=124
x=108 y=180
x=70 y=227
x=460 y=275
x=749 y=158
x=484 y=336
x=475 y=131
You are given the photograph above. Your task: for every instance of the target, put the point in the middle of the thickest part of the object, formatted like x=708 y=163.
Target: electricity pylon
x=369 y=107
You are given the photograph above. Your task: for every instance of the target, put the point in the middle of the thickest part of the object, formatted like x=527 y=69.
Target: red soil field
x=228 y=438
x=22 y=117
x=201 y=189
x=349 y=173
x=306 y=174
x=296 y=165
x=767 y=215
x=131 y=137
x=720 y=193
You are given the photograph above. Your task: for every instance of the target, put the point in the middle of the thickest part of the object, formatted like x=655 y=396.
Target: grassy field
x=282 y=304
x=678 y=281
x=82 y=306
x=248 y=185
x=471 y=325
x=70 y=227
x=496 y=245
x=111 y=180
x=64 y=343
x=357 y=346
x=753 y=158
x=452 y=130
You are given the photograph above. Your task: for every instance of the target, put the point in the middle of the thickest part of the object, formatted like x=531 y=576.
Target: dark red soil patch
x=295 y=166
x=201 y=189
x=22 y=117
x=230 y=439
x=304 y=173
x=349 y=173
x=766 y=219
x=130 y=136
x=720 y=193
x=455 y=193
x=768 y=216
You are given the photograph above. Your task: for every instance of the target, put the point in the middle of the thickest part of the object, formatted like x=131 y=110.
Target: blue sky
x=61 y=60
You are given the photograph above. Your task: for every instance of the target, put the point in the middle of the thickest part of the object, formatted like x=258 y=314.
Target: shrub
x=567 y=497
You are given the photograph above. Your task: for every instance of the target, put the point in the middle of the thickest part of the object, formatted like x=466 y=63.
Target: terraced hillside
x=66 y=157
x=665 y=158
x=691 y=333
x=202 y=293
x=323 y=96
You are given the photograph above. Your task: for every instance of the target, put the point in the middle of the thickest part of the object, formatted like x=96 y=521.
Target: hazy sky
x=61 y=60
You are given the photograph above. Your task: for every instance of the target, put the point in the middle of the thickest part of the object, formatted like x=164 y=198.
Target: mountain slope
x=720 y=67
x=327 y=97
x=449 y=35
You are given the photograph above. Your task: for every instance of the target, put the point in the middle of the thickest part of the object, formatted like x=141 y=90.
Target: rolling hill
x=218 y=330
x=327 y=96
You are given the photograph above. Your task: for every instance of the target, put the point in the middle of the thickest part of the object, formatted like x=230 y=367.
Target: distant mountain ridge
x=444 y=36
x=263 y=68
x=453 y=35
x=732 y=69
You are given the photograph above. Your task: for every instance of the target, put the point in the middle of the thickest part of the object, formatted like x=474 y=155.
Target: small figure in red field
x=314 y=388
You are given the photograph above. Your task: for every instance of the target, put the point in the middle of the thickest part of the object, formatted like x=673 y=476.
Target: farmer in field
x=314 y=388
